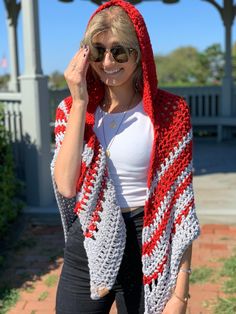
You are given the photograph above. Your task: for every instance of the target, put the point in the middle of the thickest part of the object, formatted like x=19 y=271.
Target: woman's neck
x=120 y=100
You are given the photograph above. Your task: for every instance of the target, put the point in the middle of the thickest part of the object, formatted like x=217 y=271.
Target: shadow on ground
x=210 y=157
x=32 y=249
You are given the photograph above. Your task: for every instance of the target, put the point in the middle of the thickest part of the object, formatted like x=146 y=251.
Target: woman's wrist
x=79 y=104
x=183 y=299
x=182 y=285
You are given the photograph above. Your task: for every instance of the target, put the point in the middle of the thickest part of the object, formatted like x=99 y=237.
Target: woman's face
x=111 y=72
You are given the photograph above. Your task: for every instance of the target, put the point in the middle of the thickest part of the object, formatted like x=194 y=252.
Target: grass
x=229 y=267
x=51 y=281
x=226 y=306
x=229 y=270
x=8 y=298
x=43 y=296
x=201 y=275
x=204 y=274
x=29 y=289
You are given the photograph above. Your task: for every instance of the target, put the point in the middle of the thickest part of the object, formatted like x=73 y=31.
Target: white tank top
x=130 y=151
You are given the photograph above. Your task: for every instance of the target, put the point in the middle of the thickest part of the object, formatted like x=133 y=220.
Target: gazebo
x=27 y=101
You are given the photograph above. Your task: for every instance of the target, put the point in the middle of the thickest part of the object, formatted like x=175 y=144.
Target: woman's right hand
x=75 y=76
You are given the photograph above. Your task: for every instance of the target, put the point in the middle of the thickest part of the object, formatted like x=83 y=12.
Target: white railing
x=11 y=103
x=204 y=102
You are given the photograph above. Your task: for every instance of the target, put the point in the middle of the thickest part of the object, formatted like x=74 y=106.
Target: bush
x=10 y=205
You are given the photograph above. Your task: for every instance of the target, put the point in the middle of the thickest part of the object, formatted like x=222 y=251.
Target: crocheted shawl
x=170 y=222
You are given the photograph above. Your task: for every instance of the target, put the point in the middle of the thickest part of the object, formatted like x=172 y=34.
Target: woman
x=122 y=174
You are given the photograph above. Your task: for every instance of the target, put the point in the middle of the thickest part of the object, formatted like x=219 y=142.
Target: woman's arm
x=182 y=284
x=177 y=303
x=67 y=165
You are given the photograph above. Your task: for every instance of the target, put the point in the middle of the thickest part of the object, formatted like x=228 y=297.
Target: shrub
x=10 y=205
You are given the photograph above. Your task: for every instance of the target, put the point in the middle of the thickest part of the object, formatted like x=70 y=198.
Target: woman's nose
x=108 y=58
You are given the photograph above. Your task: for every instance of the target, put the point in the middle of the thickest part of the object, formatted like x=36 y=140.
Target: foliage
x=229 y=267
x=178 y=66
x=186 y=66
x=229 y=270
x=226 y=306
x=8 y=298
x=201 y=275
x=234 y=61
x=4 y=79
x=9 y=185
x=51 y=280
x=43 y=296
x=57 y=80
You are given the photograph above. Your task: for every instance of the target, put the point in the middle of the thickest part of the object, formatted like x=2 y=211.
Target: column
x=227 y=83
x=35 y=112
x=12 y=10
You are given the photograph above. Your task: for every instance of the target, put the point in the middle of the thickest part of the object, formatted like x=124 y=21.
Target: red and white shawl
x=170 y=221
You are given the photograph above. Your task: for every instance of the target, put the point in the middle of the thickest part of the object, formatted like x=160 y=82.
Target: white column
x=35 y=112
x=227 y=84
x=13 y=84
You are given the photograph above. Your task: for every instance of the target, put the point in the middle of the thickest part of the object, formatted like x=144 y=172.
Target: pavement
x=214 y=180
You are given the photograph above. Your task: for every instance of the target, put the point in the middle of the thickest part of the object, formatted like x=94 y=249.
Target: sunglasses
x=119 y=53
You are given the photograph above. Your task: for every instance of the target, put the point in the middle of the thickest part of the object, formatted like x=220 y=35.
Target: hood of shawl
x=96 y=88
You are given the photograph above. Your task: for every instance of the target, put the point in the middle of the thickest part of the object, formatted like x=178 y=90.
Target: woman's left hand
x=175 y=306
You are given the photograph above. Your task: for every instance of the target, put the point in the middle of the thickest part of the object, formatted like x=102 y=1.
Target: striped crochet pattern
x=170 y=221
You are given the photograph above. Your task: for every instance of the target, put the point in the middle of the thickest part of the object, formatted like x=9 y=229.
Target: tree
x=187 y=66
x=4 y=79
x=215 y=59
x=234 y=61
x=177 y=68
x=57 y=80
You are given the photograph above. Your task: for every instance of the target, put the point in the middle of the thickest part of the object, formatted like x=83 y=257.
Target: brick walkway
x=35 y=265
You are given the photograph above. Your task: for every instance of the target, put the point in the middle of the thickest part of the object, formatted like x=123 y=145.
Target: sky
x=189 y=23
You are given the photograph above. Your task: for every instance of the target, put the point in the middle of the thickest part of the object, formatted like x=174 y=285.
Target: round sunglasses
x=119 y=53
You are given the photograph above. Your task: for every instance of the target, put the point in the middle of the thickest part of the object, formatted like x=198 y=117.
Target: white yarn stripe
x=60 y=123
x=85 y=215
x=59 y=138
x=87 y=155
x=63 y=107
x=150 y=262
x=186 y=232
x=149 y=230
x=169 y=161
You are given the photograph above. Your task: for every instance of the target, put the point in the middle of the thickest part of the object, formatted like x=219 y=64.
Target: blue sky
x=188 y=23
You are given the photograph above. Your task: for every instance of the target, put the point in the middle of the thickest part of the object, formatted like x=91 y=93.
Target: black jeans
x=73 y=292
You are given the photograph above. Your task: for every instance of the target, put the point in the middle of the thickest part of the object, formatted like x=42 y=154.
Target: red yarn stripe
x=166 y=181
x=147 y=280
x=148 y=247
x=185 y=213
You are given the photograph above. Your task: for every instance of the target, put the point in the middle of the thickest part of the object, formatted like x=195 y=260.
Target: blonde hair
x=116 y=20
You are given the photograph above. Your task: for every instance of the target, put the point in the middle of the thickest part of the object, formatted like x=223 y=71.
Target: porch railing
x=11 y=103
